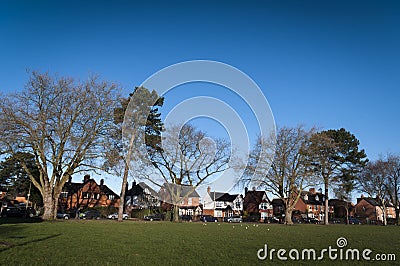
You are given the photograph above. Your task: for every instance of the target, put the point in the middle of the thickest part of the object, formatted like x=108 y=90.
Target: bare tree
x=285 y=172
x=186 y=158
x=63 y=123
x=373 y=181
x=393 y=182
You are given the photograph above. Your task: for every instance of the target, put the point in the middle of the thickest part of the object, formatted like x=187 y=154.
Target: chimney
x=101 y=182
x=362 y=196
x=208 y=189
x=86 y=178
x=312 y=190
x=133 y=184
x=245 y=191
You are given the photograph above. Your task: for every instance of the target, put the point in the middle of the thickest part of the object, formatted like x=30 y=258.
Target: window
x=85 y=195
x=111 y=197
x=64 y=194
x=189 y=211
x=238 y=204
x=218 y=213
x=264 y=206
x=264 y=215
x=218 y=204
x=190 y=201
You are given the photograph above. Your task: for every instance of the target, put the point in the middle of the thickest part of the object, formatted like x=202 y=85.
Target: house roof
x=374 y=202
x=138 y=189
x=338 y=202
x=254 y=197
x=277 y=202
x=108 y=191
x=184 y=190
x=216 y=195
x=312 y=198
x=252 y=200
x=145 y=186
x=72 y=187
x=228 y=197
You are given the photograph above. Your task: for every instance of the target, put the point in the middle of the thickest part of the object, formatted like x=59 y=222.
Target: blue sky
x=326 y=63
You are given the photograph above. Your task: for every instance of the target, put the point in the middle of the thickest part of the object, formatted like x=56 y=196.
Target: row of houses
x=254 y=203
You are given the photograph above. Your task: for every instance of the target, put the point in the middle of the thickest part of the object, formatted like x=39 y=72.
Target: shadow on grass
x=8 y=246
x=12 y=220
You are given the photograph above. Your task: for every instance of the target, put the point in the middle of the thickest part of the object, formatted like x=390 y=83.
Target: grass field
x=164 y=243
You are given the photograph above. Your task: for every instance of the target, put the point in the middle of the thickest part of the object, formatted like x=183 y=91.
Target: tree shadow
x=17 y=220
x=11 y=245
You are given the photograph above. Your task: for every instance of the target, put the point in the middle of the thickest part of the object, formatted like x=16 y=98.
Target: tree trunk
x=50 y=208
x=122 y=196
x=384 y=215
x=288 y=216
x=397 y=216
x=326 y=218
x=175 y=217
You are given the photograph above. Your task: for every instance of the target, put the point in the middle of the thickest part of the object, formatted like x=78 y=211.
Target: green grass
x=165 y=243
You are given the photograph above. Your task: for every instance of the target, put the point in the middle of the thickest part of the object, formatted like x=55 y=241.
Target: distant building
x=340 y=206
x=221 y=204
x=256 y=204
x=188 y=199
x=87 y=194
x=141 y=196
x=314 y=203
x=369 y=210
x=311 y=204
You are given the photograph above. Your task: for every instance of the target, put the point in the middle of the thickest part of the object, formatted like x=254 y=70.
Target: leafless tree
x=187 y=158
x=393 y=182
x=63 y=123
x=285 y=172
x=373 y=181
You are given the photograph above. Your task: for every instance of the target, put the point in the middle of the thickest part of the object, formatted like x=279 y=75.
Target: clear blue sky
x=326 y=63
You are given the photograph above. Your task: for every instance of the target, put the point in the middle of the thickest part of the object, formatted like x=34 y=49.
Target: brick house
x=257 y=205
x=189 y=199
x=87 y=194
x=310 y=204
x=370 y=211
x=340 y=206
